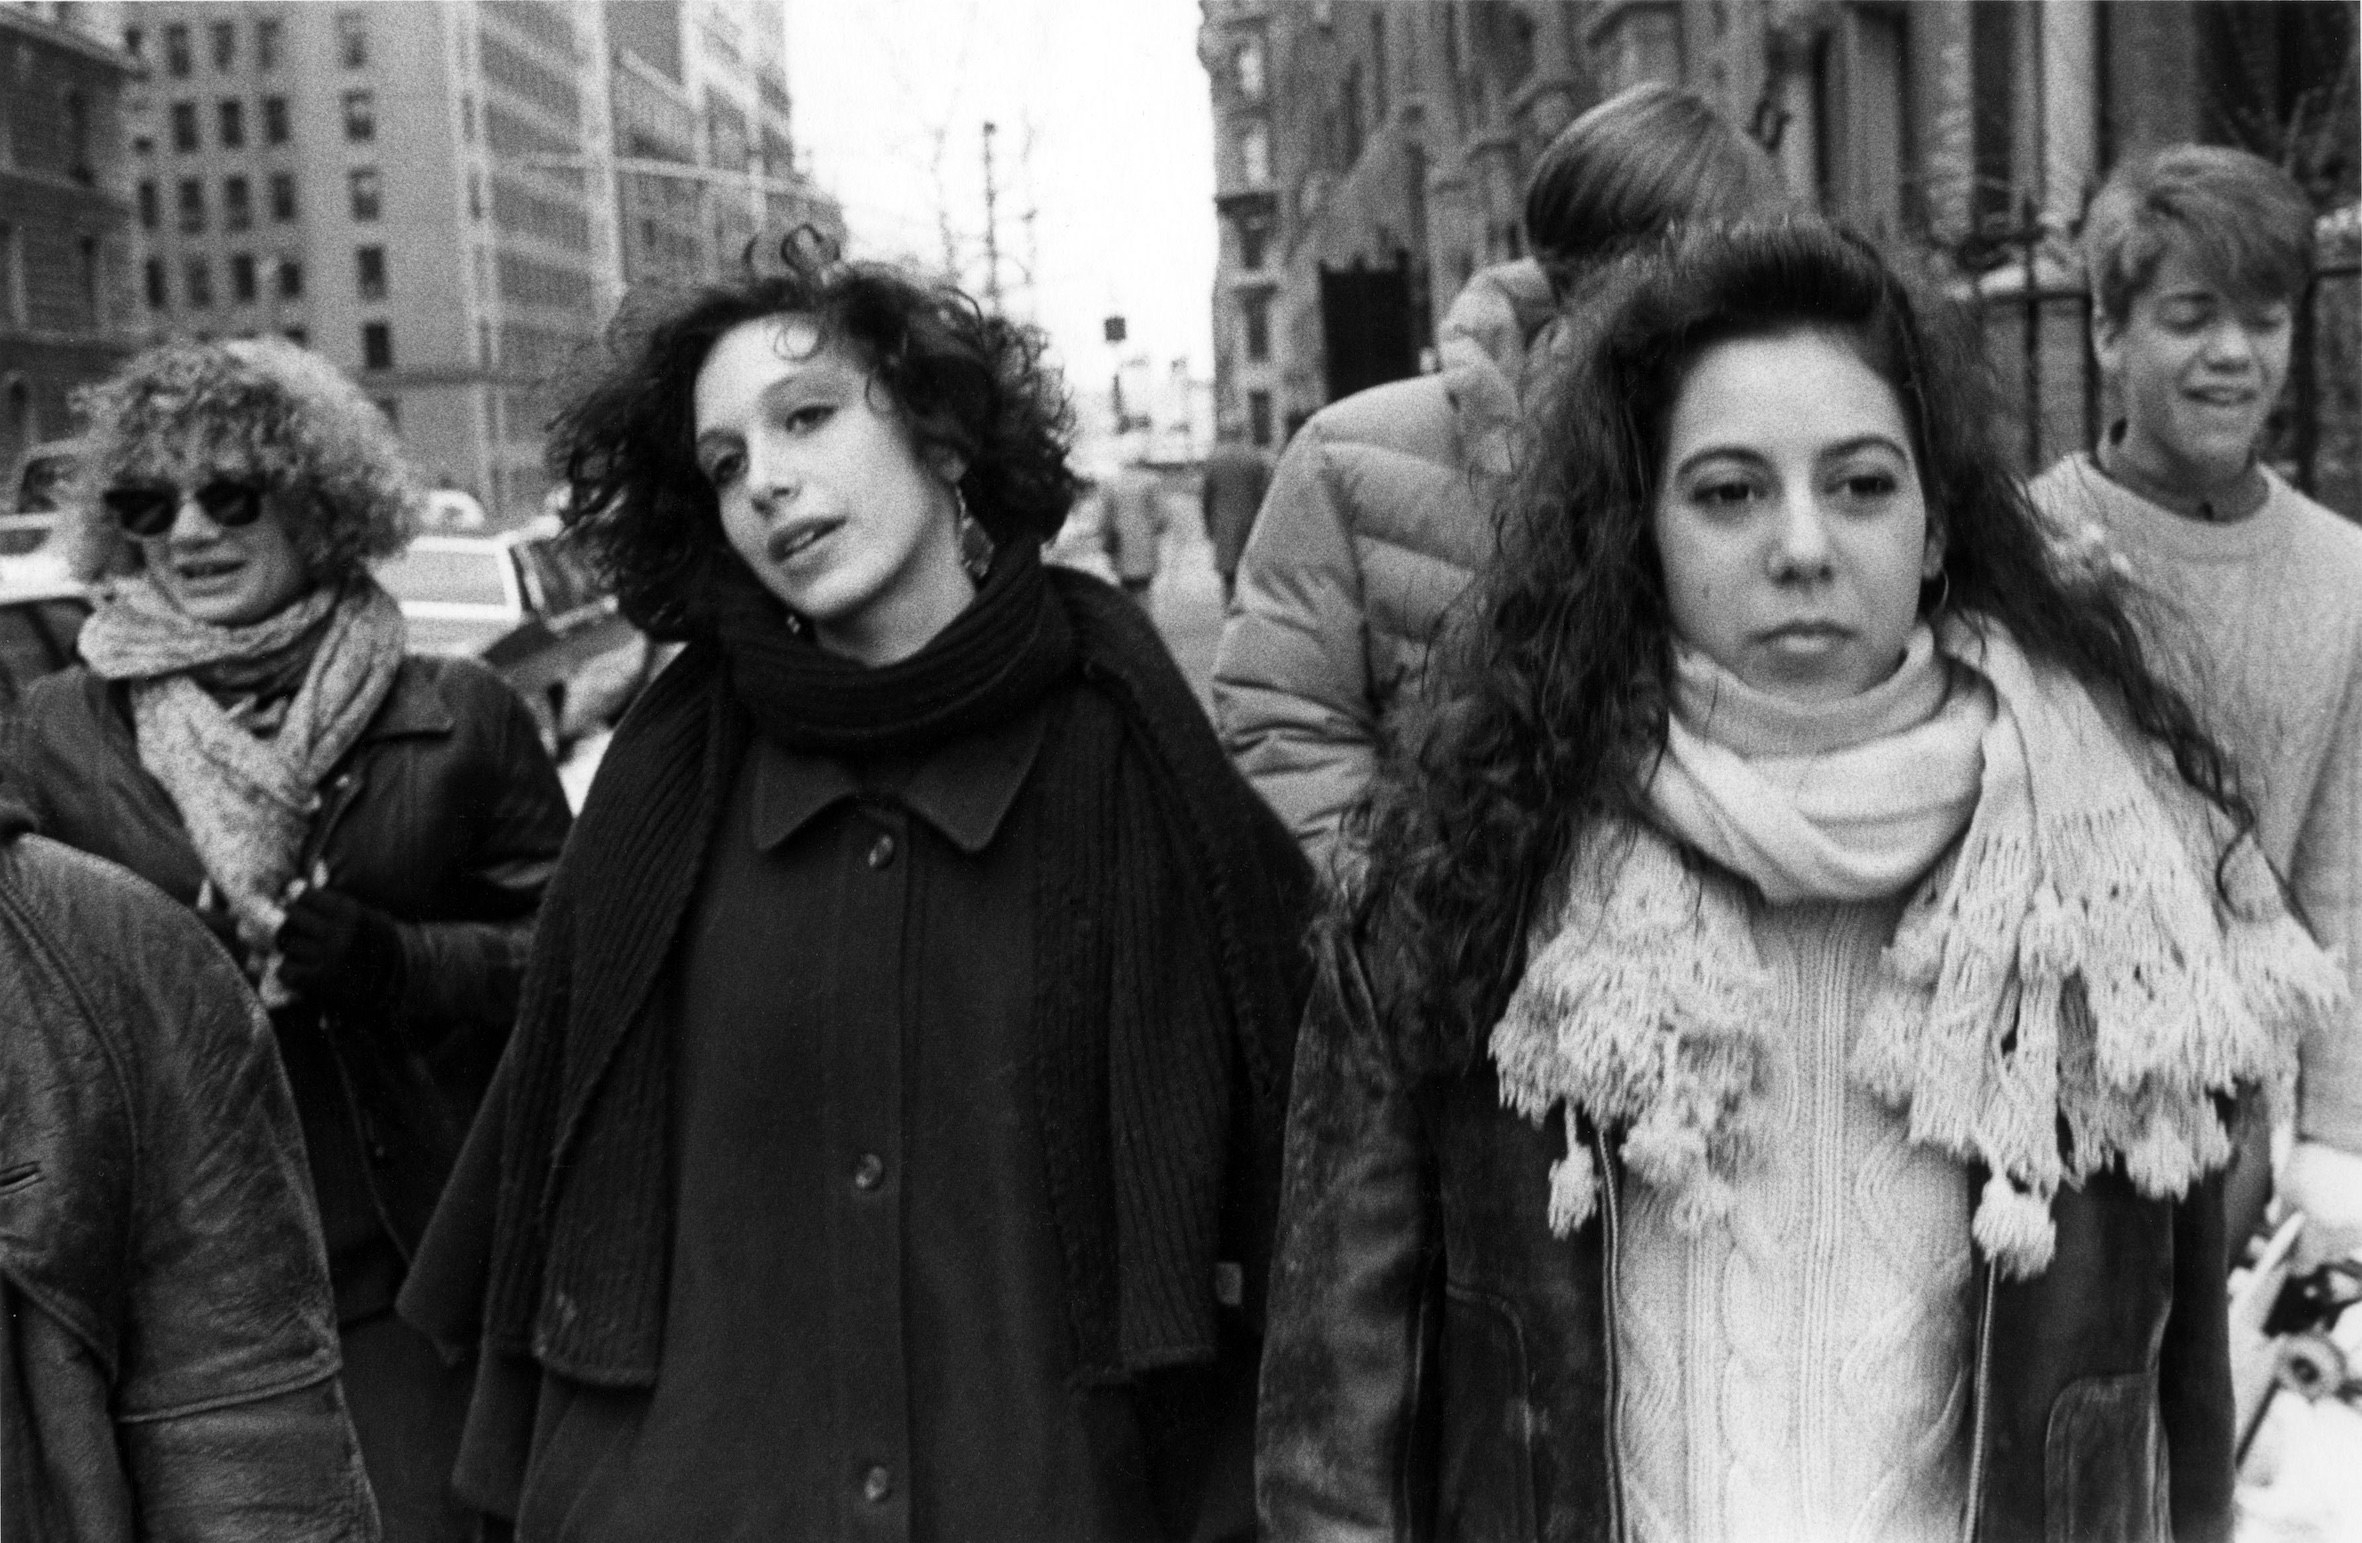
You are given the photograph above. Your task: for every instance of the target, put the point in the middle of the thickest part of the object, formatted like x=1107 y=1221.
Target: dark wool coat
x=1438 y=1363
x=168 y=1354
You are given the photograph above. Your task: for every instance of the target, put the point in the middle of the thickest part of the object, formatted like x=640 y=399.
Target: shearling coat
x=1377 y=518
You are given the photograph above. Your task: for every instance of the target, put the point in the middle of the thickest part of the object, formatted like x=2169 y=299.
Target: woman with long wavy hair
x=1771 y=1080
x=890 y=1142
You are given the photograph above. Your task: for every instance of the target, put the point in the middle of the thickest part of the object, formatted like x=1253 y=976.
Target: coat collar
x=964 y=789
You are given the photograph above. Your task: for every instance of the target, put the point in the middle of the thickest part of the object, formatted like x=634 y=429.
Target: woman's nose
x=190 y=522
x=1800 y=539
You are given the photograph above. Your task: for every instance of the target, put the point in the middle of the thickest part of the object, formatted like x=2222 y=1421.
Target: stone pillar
x=2070 y=121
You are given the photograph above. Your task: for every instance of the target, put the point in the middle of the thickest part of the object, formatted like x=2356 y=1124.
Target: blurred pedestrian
x=168 y=1348
x=368 y=831
x=2198 y=255
x=1236 y=477
x=1795 y=996
x=889 y=1145
x=1378 y=513
x=1134 y=521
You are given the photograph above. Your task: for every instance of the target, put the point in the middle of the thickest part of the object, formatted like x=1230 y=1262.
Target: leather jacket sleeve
x=1339 y=1426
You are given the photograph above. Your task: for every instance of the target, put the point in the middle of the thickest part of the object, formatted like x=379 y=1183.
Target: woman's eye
x=1864 y=486
x=805 y=419
x=722 y=470
x=1721 y=495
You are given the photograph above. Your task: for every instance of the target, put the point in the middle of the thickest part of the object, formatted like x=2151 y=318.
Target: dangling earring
x=975 y=545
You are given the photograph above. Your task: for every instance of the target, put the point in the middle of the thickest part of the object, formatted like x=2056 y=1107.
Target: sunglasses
x=149 y=508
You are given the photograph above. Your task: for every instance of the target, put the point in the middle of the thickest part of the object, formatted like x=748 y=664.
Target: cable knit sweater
x=1803 y=1373
x=2260 y=622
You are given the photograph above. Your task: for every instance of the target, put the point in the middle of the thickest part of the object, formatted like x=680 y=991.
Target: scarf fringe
x=2061 y=994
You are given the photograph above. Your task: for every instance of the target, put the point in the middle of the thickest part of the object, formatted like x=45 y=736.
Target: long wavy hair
x=960 y=380
x=1547 y=708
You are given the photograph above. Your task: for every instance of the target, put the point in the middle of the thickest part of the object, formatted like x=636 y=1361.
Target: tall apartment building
x=66 y=312
x=1370 y=157
x=704 y=148
x=410 y=188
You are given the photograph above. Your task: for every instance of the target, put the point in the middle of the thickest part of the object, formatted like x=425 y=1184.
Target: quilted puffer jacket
x=1377 y=517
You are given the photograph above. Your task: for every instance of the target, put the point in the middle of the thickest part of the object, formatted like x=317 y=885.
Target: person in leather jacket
x=1771 y=1081
x=168 y=1351
x=367 y=831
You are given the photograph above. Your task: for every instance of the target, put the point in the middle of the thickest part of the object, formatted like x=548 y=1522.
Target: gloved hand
x=338 y=952
x=2326 y=1184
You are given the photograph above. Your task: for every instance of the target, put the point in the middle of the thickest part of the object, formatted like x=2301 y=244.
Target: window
x=156 y=296
x=1255 y=312
x=352 y=39
x=360 y=116
x=242 y=285
x=266 y=43
x=282 y=196
x=1250 y=69
x=365 y=196
x=237 y=204
x=184 y=125
x=177 y=60
x=301 y=337
x=1251 y=241
x=89 y=267
x=392 y=410
x=192 y=205
x=369 y=272
x=225 y=44
x=1259 y=418
x=12 y=297
x=290 y=279
x=143 y=144
x=197 y=283
x=475 y=196
x=135 y=43
x=274 y=120
x=377 y=346
x=233 y=124
x=1255 y=155
x=149 y=217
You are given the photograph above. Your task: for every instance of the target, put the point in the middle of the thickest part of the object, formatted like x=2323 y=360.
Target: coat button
x=881 y=851
x=869 y=1172
x=876 y=1484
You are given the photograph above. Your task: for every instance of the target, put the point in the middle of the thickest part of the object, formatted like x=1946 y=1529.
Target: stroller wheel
x=2311 y=1366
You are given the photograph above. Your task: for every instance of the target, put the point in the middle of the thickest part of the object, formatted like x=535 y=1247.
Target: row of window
x=364 y=196
x=245 y=281
x=360 y=122
x=270 y=37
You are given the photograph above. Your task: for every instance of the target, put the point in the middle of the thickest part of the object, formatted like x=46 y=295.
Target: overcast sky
x=1105 y=133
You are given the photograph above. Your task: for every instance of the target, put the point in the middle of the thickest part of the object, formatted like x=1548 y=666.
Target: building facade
x=1376 y=153
x=67 y=312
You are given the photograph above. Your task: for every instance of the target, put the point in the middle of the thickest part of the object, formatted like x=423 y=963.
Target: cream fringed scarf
x=2067 y=965
x=246 y=799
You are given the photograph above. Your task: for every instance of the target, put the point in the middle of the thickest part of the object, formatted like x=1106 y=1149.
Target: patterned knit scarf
x=246 y=799
x=2067 y=989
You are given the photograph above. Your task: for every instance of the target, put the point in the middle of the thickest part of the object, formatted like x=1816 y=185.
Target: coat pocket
x=2104 y=1462
x=1485 y=1462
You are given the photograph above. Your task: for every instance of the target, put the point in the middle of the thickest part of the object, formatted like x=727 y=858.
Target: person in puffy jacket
x=367 y=831
x=1773 y=1076
x=168 y=1350
x=1378 y=513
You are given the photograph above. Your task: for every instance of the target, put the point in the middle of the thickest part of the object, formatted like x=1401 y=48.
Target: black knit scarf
x=1167 y=905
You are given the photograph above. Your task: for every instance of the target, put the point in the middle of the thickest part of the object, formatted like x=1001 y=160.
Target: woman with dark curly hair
x=367 y=831
x=890 y=1141
x=1771 y=1082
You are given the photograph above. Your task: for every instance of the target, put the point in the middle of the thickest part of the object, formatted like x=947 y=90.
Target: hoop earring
x=975 y=545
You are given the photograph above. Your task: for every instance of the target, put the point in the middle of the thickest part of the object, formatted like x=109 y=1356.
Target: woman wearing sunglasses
x=368 y=832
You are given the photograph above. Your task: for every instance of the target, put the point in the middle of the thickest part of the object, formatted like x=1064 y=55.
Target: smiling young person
x=889 y=1147
x=367 y=831
x=1767 y=1084
x=2197 y=257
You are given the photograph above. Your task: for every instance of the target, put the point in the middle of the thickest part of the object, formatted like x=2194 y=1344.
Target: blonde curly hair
x=260 y=409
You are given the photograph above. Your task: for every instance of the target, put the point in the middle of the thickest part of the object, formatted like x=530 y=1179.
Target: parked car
x=528 y=605
x=40 y=617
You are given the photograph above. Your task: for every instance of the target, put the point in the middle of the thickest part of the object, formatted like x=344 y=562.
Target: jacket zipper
x=1610 y=1224
x=1981 y=1413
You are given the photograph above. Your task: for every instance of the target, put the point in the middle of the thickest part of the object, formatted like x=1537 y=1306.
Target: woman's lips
x=790 y=542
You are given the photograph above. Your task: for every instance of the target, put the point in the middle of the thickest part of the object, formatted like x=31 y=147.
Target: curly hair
x=1549 y=703
x=960 y=380
x=185 y=412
